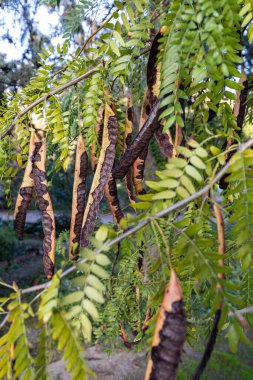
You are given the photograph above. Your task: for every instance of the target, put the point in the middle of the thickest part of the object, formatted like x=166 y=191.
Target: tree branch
x=45 y=97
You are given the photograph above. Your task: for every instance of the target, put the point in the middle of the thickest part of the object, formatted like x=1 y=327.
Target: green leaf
x=94 y=294
x=102 y=233
x=91 y=309
x=114 y=48
x=118 y=38
x=102 y=259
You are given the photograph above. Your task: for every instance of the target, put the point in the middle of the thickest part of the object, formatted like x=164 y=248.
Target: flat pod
x=48 y=222
x=139 y=145
x=24 y=195
x=111 y=192
x=139 y=163
x=102 y=173
x=79 y=196
x=127 y=141
x=153 y=82
x=169 y=336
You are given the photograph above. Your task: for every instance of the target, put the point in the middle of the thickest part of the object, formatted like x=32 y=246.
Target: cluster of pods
x=171 y=325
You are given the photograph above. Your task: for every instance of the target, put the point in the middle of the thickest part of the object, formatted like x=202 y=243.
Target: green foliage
x=112 y=288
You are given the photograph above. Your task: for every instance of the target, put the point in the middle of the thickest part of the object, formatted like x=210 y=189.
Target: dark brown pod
x=166 y=145
x=25 y=195
x=111 y=192
x=138 y=147
x=153 y=82
x=139 y=163
x=102 y=173
x=169 y=336
x=127 y=141
x=79 y=197
x=40 y=183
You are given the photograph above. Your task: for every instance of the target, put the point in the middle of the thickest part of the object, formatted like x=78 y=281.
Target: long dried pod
x=169 y=336
x=48 y=222
x=214 y=332
x=139 y=163
x=153 y=82
x=127 y=141
x=25 y=194
x=79 y=197
x=139 y=144
x=102 y=173
x=111 y=192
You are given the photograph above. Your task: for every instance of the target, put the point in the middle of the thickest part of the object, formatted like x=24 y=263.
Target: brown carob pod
x=40 y=183
x=169 y=336
x=214 y=332
x=139 y=144
x=139 y=163
x=165 y=142
x=111 y=192
x=102 y=173
x=127 y=140
x=153 y=82
x=79 y=197
x=25 y=195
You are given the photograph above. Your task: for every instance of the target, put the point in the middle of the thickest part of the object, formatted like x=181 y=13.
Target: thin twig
x=45 y=97
x=93 y=34
x=159 y=214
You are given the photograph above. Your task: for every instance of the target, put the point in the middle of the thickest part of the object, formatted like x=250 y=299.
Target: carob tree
x=191 y=108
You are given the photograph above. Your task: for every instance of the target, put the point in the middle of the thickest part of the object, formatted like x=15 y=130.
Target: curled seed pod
x=169 y=336
x=111 y=192
x=25 y=195
x=139 y=145
x=139 y=163
x=102 y=173
x=166 y=145
x=153 y=82
x=40 y=183
x=79 y=196
x=127 y=141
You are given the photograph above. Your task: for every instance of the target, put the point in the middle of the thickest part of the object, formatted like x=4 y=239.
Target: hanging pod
x=139 y=163
x=38 y=175
x=138 y=145
x=149 y=125
x=164 y=139
x=169 y=336
x=25 y=194
x=78 y=197
x=102 y=173
x=127 y=141
x=110 y=189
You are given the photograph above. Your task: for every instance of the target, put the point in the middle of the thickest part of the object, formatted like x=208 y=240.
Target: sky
x=46 y=22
